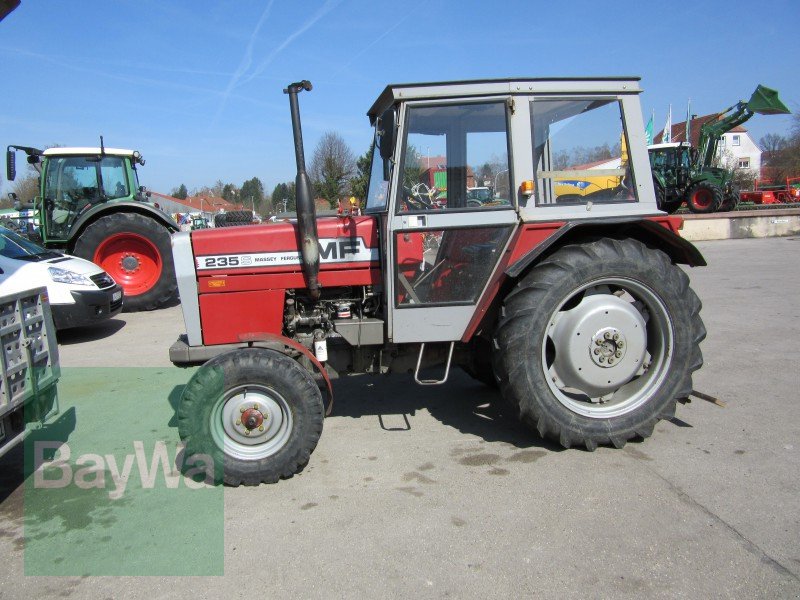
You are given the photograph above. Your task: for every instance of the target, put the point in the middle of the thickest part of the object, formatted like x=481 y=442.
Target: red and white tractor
x=572 y=305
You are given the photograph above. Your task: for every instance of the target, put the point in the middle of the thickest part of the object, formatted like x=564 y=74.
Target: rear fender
x=656 y=232
x=660 y=233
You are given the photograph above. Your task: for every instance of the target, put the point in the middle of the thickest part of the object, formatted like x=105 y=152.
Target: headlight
x=64 y=276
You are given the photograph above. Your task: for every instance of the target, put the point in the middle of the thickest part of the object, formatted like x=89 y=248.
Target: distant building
x=204 y=206
x=736 y=148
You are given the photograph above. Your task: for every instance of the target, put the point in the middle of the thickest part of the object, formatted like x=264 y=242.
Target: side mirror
x=387 y=133
x=11 y=164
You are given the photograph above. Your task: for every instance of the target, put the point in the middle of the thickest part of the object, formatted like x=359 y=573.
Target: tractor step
x=446 y=369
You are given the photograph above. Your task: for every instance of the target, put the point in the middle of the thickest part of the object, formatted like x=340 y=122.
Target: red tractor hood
x=345 y=243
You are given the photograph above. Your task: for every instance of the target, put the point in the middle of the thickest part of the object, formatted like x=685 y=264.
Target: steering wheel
x=417 y=199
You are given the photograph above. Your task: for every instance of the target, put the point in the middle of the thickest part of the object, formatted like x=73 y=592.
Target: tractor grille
x=103 y=280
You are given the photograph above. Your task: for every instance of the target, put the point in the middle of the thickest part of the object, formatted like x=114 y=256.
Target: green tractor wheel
x=704 y=197
x=135 y=250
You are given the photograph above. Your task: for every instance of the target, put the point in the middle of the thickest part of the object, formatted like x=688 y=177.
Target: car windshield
x=13 y=245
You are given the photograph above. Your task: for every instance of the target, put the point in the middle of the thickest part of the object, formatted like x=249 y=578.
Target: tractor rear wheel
x=135 y=250
x=598 y=342
x=256 y=412
x=704 y=197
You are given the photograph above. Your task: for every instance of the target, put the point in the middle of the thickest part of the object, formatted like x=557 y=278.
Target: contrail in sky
x=247 y=59
x=326 y=8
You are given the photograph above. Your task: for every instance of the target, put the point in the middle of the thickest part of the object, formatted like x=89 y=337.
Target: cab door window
x=455 y=157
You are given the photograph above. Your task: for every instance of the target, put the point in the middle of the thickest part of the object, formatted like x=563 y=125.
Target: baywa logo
x=89 y=471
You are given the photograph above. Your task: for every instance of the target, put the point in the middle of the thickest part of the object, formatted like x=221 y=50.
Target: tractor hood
x=344 y=243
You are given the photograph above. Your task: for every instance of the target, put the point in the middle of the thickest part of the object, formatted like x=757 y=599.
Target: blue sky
x=196 y=86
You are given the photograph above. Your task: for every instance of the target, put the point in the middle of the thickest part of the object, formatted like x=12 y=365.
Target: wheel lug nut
x=611 y=361
x=241 y=409
x=597 y=350
x=598 y=341
x=602 y=359
x=616 y=337
x=620 y=344
x=607 y=335
x=247 y=432
x=618 y=354
x=238 y=421
x=261 y=428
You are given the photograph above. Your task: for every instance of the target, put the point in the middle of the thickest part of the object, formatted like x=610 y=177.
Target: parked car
x=80 y=292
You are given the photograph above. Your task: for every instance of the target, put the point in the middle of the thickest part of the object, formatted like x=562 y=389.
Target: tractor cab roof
x=667 y=145
x=396 y=92
x=86 y=151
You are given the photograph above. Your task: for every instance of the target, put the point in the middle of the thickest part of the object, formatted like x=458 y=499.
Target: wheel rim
x=251 y=422
x=607 y=347
x=703 y=198
x=132 y=260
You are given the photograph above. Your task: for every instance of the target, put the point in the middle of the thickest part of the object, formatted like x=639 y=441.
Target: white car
x=80 y=292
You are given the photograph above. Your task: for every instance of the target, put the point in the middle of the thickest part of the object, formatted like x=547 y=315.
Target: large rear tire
x=257 y=412
x=233 y=218
x=598 y=342
x=704 y=197
x=135 y=250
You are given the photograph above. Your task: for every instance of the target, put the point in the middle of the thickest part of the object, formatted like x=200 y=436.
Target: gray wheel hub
x=130 y=263
x=599 y=344
x=251 y=422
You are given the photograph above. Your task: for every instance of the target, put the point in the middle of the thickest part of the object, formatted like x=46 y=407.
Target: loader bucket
x=765 y=101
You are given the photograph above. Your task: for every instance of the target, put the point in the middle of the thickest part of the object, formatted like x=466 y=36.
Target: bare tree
x=772 y=142
x=27 y=187
x=332 y=167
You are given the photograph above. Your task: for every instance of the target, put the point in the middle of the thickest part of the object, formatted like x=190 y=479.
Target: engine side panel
x=226 y=318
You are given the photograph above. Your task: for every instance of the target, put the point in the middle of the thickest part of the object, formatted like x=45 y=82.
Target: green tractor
x=682 y=173
x=90 y=204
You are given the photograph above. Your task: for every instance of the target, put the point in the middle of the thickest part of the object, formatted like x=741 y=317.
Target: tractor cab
x=76 y=179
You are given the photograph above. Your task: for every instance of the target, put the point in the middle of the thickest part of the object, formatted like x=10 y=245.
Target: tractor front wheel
x=704 y=198
x=256 y=412
x=135 y=250
x=598 y=342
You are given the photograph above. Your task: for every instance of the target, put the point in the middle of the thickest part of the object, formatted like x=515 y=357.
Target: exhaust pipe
x=304 y=197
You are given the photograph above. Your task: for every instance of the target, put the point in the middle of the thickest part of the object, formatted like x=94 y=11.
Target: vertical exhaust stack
x=304 y=197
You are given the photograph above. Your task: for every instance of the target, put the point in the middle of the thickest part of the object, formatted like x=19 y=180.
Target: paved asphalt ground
x=423 y=492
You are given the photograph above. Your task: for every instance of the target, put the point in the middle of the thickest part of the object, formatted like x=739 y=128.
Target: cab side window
x=580 y=152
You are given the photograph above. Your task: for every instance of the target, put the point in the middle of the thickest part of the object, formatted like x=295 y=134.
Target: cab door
x=445 y=235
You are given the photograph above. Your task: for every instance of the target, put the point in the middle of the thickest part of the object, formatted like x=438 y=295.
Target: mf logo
x=339 y=249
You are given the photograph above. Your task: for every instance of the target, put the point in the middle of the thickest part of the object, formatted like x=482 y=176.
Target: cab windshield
x=377 y=191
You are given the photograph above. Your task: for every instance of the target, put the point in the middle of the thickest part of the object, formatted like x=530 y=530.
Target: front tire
x=586 y=305
x=257 y=412
x=135 y=250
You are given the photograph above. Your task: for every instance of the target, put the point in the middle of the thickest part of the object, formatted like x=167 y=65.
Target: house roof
x=679 y=130
x=200 y=203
